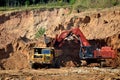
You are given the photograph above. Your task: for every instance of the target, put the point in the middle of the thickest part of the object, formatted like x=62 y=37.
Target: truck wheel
x=35 y=65
x=57 y=63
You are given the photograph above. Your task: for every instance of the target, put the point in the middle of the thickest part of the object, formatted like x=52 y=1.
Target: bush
x=97 y=3
x=72 y=1
x=40 y=32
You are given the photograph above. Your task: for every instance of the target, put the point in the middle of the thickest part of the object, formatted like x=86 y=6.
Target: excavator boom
x=79 y=34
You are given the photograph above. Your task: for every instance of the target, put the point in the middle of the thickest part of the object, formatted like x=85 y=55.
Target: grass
x=37 y=6
x=78 y=5
x=86 y=4
x=32 y=7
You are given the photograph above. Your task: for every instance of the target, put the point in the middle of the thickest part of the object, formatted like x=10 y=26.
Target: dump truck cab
x=42 y=55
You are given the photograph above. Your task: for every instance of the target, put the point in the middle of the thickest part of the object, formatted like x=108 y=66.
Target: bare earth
x=80 y=73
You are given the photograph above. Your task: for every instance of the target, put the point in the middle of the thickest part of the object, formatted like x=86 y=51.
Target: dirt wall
x=17 y=32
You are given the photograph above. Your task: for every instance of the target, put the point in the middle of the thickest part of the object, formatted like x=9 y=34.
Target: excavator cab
x=86 y=52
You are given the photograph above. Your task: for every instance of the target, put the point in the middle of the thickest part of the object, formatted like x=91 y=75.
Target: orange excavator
x=86 y=51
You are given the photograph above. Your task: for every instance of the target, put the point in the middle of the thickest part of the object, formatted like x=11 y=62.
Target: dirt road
x=80 y=73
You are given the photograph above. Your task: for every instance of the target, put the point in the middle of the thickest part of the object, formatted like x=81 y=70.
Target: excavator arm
x=86 y=50
x=69 y=35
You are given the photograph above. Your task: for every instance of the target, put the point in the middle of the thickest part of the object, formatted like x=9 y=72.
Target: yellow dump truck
x=42 y=56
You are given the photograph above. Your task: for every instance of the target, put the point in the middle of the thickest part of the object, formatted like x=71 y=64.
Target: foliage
x=72 y=1
x=27 y=2
x=40 y=32
x=72 y=4
x=97 y=3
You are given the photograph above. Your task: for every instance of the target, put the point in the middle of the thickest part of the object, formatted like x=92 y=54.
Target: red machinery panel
x=104 y=52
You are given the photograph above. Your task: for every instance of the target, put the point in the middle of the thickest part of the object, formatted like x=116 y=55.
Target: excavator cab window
x=86 y=52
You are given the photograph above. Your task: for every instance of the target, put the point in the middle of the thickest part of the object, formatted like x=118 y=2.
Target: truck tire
x=56 y=63
x=35 y=65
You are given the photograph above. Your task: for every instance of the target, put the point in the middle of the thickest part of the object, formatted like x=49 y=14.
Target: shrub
x=72 y=1
x=40 y=32
x=85 y=4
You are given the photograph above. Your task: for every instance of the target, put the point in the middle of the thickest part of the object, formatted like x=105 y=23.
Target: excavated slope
x=18 y=29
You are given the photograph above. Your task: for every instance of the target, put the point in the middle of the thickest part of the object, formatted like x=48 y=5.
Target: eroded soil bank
x=18 y=29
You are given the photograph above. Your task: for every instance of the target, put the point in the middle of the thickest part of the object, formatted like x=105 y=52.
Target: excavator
x=87 y=52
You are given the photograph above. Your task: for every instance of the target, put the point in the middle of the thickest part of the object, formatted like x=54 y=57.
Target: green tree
x=7 y=2
x=41 y=1
x=33 y=1
x=27 y=3
x=72 y=1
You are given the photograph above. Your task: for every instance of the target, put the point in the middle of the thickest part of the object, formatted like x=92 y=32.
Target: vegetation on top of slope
x=8 y=5
x=85 y=4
